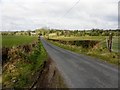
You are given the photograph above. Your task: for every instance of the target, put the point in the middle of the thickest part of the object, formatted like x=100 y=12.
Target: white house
x=32 y=33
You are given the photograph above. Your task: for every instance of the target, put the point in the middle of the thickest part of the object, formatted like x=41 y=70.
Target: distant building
x=32 y=33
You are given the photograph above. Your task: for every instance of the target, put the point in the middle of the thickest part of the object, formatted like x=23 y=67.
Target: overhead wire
x=71 y=8
x=59 y=19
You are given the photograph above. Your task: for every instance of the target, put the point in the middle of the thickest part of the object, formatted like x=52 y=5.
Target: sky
x=57 y=14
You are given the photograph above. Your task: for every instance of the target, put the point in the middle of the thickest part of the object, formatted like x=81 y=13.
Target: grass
x=20 y=72
x=115 y=45
x=99 y=51
x=99 y=38
x=0 y=41
x=10 y=41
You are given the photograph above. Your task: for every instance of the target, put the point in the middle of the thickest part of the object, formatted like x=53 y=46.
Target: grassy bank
x=99 y=51
x=21 y=68
x=9 y=40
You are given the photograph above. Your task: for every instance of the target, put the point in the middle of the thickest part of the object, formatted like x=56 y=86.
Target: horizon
x=59 y=29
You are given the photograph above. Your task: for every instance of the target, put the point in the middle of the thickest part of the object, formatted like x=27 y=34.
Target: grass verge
x=99 y=51
x=20 y=70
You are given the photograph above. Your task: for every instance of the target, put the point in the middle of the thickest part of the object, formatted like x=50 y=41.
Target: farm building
x=33 y=33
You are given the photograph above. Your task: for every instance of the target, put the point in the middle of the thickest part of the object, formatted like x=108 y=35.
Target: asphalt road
x=81 y=71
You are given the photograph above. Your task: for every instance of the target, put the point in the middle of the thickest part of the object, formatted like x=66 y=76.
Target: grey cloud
x=30 y=14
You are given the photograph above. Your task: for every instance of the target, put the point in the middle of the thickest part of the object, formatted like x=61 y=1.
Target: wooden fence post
x=110 y=42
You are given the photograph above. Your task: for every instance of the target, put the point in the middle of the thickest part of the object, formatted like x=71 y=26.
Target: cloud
x=0 y=18
x=31 y=14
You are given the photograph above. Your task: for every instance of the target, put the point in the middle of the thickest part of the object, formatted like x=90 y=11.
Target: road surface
x=80 y=71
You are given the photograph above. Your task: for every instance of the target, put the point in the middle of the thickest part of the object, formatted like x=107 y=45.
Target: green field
x=115 y=45
x=9 y=41
x=80 y=38
x=99 y=51
x=0 y=41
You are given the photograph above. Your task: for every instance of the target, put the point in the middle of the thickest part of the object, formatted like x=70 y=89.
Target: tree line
x=66 y=33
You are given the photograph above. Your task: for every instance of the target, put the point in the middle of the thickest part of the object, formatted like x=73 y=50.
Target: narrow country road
x=80 y=71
